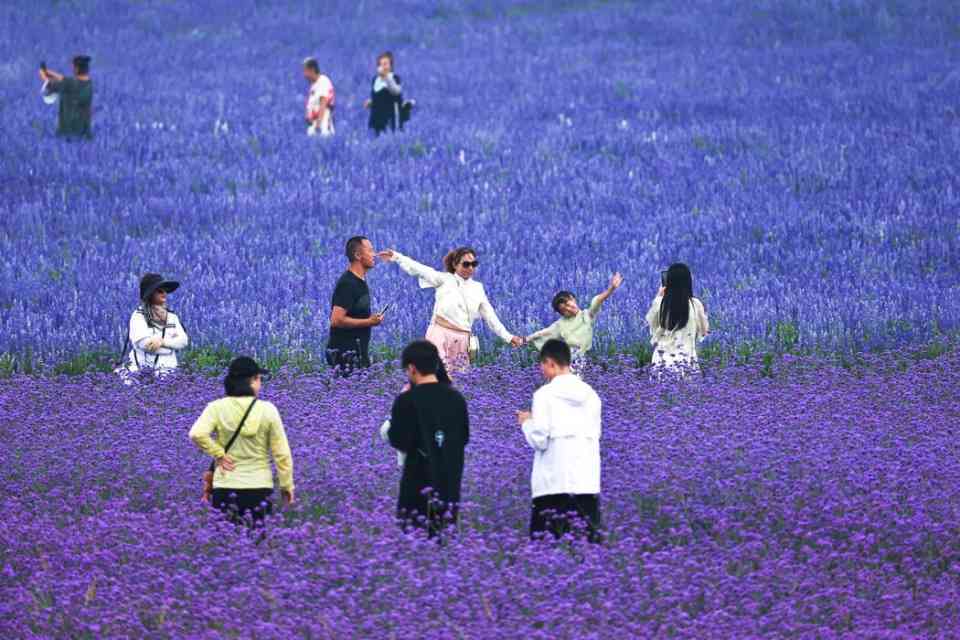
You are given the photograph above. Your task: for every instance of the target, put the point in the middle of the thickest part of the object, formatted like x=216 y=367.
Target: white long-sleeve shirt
x=174 y=339
x=458 y=301
x=564 y=432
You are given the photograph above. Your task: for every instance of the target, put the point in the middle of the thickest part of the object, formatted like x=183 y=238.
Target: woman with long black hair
x=677 y=321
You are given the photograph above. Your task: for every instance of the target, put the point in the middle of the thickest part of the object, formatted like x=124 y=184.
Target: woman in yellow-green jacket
x=243 y=480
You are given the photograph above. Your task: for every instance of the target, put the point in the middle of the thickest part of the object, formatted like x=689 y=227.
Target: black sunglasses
x=470 y=265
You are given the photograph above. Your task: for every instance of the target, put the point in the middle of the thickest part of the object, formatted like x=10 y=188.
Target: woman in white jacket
x=156 y=334
x=460 y=301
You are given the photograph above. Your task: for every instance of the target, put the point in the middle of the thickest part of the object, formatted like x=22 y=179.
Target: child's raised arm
x=615 y=281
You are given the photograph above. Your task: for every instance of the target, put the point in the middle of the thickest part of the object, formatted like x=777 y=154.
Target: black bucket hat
x=245 y=367
x=151 y=282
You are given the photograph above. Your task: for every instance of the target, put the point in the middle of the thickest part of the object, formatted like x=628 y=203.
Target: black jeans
x=348 y=360
x=439 y=517
x=244 y=506
x=563 y=513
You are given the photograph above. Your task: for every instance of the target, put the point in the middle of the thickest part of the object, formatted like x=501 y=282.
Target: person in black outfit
x=76 y=98
x=386 y=104
x=428 y=423
x=350 y=316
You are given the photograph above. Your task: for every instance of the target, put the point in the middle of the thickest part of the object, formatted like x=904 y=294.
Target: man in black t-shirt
x=76 y=98
x=429 y=423
x=350 y=316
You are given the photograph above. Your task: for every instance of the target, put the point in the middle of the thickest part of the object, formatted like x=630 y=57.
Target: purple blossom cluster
x=799 y=156
x=815 y=501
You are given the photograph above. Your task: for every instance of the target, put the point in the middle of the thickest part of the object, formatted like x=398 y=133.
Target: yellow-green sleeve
x=540 y=338
x=201 y=432
x=280 y=449
x=595 y=306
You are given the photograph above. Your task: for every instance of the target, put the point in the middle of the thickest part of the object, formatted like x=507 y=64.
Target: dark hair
x=353 y=245
x=81 y=64
x=388 y=55
x=453 y=258
x=675 y=306
x=423 y=356
x=442 y=376
x=237 y=387
x=556 y=350
x=312 y=64
x=560 y=298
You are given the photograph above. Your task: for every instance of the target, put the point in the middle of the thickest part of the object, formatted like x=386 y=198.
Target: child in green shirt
x=575 y=326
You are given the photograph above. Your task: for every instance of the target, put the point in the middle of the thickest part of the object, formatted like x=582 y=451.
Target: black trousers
x=562 y=513
x=244 y=506
x=434 y=517
x=348 y=360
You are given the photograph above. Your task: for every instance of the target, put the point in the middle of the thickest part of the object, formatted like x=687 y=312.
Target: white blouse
x=460 y=302
x=174 y=339
x=677 y=348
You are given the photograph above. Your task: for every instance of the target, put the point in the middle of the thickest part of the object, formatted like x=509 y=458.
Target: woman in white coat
x=460 y=301
x=156 y=334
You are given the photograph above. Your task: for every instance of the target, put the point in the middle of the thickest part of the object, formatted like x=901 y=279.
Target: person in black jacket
x=386 y=104
x=429 y=424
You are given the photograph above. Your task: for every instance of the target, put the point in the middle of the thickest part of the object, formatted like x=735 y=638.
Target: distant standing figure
x=564 y=429
x=460 y=301
x=76 y=98
x=321 y=100
x=677 y=321
x=351 y=319
x=156 y=334
x=243 y=481
x=386 y=104
x=428 y=423
x=575 y=326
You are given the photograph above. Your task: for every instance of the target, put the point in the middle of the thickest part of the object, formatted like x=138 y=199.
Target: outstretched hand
x=516 y=341
x=387 y=255
x=615 y=281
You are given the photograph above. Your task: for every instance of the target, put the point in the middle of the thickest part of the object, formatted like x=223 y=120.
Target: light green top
x=576 y=331
x=262 y=436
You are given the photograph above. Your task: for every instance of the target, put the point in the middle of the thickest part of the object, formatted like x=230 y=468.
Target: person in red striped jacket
x=320 y=100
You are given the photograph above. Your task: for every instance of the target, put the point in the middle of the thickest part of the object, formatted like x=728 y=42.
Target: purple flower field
x=800 y=156
x=819 y=502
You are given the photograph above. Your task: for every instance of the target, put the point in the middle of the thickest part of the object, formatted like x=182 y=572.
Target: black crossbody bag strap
x=213 y=463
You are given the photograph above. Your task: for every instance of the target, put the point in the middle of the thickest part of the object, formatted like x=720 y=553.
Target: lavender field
x=799 y=156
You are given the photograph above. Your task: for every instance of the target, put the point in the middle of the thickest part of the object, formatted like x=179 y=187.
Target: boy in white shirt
x=564 y=430
x=320 y=100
